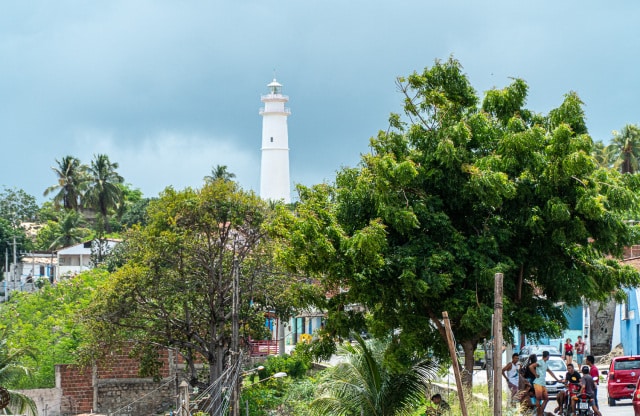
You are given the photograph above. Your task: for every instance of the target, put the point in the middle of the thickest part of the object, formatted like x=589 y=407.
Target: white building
x=274 y=168
x=77 y=258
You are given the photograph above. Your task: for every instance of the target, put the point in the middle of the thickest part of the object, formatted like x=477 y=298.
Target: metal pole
x=497 y=346
x=488 y=366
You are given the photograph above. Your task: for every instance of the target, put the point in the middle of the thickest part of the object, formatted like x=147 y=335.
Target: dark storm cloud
x=170 y=89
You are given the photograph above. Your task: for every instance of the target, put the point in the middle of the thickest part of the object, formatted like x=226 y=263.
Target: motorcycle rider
x=572 y=377
x=589 y=387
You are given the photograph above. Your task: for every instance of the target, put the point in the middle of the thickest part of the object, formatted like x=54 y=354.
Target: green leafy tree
x=175 y=288
x=136 y=213
x=103 y=191
x=10 y=370
x=364 y=384
x=453 y=193
x=17 y=206
x=71 y=182
x=624 y=149
x=49 y=322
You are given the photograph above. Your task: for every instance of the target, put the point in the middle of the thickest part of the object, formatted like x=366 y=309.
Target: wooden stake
x=454 y=360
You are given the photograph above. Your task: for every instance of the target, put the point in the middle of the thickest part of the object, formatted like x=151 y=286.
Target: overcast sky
x=169 y=89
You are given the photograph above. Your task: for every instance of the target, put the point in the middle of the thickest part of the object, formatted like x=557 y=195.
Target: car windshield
x=626 y=365
x=539 y=348
x=557 y=365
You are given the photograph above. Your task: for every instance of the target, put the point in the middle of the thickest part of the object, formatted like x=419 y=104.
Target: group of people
x=530 y=379
x=569 y=349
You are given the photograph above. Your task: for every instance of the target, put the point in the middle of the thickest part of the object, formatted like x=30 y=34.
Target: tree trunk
x=469 y=348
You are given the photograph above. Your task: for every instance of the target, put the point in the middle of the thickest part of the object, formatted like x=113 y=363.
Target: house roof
x=81 y=249
x=36 y=259
x=634 y=262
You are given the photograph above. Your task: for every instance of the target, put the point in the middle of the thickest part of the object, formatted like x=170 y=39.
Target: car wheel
x=612 y=402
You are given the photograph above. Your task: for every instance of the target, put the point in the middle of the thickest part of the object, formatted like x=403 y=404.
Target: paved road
x=622 y=407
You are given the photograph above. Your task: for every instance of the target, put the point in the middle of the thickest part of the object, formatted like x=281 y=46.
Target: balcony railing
x=272 y=96
x=285 y=111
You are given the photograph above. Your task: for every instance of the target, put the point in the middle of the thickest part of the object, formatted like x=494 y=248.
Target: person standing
x=540 y=384
x=579 y=350
x=511 y=373
x=568 y=351
x=594 y=373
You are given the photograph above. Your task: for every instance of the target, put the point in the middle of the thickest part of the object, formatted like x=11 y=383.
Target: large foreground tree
x=454 y=192
x=176 y=287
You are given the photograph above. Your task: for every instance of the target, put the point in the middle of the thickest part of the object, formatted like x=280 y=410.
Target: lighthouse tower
x=274 y=169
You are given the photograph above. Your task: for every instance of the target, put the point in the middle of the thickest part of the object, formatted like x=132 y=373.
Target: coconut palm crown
x=364 y=385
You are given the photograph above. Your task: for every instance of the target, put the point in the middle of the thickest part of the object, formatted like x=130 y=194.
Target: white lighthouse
x=274 y=169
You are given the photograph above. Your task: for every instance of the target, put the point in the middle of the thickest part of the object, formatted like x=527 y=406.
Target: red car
x=623 y=378
x=636 y=400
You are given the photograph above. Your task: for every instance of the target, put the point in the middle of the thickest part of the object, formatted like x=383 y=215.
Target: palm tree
x=71 y=179
x=625 y=148
x=11 y=370
x=602 y=154
x=219 y=172
x=103 y=190
x=69 y=231
x=364 y=385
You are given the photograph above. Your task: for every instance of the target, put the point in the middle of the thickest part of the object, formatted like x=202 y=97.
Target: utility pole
x=15 y=262
x=497 y=345
x=235 y=325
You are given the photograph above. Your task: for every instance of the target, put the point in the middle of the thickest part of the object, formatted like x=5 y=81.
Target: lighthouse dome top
x=275 y=87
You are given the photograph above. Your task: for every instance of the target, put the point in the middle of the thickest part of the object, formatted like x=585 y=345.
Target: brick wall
x=116 y=385
x=76 y=385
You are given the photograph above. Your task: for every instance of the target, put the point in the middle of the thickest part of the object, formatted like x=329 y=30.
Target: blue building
x=627 y=316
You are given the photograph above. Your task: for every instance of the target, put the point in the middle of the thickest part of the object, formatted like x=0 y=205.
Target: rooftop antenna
x=274 y=74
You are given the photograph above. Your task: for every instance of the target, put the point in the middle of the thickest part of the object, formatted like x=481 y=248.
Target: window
x=272 y=140
x=624 y=311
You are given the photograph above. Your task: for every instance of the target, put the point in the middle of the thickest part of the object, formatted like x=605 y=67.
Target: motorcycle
x=570 y=392
x=583 y=404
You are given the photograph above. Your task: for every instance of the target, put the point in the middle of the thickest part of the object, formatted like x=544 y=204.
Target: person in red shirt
x=579 y=349
x=594 y=373
x=568 y=351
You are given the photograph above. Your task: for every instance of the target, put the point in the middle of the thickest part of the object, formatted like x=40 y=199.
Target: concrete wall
x=602 y=318
x=130 y=397
x=47 y=400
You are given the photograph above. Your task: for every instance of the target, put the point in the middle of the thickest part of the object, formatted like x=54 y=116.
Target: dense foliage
x=364 y=382
x=175 y=285
x=47 y=321
x=455 y=192
x=11 y=369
